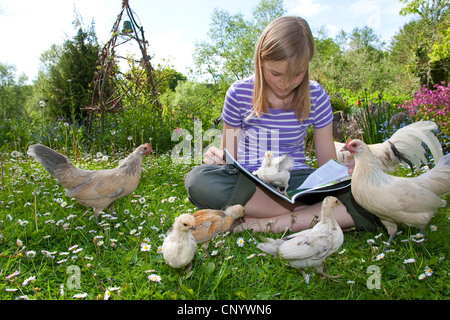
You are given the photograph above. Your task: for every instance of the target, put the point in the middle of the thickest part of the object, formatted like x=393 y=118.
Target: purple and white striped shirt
x=278 y=131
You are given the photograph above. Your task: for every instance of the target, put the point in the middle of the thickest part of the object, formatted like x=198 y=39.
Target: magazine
x=331 y=176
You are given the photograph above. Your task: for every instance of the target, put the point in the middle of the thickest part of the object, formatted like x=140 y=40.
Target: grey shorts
x=217 y=187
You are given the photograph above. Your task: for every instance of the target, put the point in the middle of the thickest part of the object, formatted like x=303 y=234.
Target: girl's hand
x=350 y=165
x=214 y=156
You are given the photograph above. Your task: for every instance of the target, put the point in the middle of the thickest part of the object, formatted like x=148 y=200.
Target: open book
x=329 y=177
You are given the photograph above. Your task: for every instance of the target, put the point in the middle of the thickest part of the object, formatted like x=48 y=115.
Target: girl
x=272 y=110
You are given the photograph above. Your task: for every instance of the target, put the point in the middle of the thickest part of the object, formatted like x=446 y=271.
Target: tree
x=228 y=53
x=68 y=71
x=13 y=92
x=423 y=43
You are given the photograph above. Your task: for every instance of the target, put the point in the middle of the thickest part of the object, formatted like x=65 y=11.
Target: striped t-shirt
x=278 y=131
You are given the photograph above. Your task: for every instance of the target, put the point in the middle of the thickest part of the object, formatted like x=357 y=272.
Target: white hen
x=405 y=145
x=179 y=247
x=276 y=170
x=309 y=247
x=397 y=200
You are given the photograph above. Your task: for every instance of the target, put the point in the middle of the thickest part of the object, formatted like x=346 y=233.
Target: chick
x=309 y=247
x=179 y=246
x=276 y=170
x=210 y=223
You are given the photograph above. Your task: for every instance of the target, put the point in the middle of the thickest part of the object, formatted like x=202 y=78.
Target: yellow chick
x=179 y=247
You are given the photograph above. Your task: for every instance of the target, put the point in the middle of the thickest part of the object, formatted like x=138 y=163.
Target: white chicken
x=276 y=170
x=308 y=248
x=179 y=247
x=397 y=200
x=405 y=145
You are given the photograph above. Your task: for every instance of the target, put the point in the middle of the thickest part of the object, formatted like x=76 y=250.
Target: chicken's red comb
x=348 y=141
x=148 y=146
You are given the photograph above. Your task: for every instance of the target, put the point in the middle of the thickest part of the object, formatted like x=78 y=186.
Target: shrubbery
x=432 y=104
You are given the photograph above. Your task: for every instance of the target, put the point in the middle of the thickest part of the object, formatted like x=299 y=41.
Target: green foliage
x=69 y=69
x=422 y=45
x=13 y=92
x=228 y=53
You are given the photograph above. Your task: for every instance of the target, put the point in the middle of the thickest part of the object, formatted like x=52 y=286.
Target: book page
x=331 y=171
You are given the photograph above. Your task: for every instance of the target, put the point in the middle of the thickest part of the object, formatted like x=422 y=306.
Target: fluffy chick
x=179 y=246
x=276 y=170
x=210 y=223
x=310 y=247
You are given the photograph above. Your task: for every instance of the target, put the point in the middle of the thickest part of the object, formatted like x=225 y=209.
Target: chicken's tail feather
x=270 y=246
x=48 y=158
x=408 y=141
x=286 y=162
x=437 y=179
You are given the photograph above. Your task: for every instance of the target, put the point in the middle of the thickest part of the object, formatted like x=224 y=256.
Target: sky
x=29 y=27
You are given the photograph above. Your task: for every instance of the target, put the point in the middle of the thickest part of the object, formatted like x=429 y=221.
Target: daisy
x=250 y=256
x=142 y=200
x=154 y=278
x=229 y=257
x=25 y=282
x=100 y=243
x=117 y=225
x=428 y=271
x=422 y=276
x=107 y=294
x=159 y=249
x=77 y=250
x=15 y=273
x=30 y=254
x=19 y=243
x=412 y=260
x=172 y=199
x=380 y=256
x=240 y=242
x=433 y=227
x=145 y=247
x=73 y=247
x=371 y=241
x=214 y=253
x=133 y=231
x=80 y=295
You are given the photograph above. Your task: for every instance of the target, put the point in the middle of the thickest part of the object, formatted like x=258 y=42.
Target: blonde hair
x=289 y=39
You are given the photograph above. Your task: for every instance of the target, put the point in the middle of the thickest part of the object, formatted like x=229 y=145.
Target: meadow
x=52 y=248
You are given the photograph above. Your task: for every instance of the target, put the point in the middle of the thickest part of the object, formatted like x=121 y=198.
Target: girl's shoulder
x=315 y=88
x=244 y=83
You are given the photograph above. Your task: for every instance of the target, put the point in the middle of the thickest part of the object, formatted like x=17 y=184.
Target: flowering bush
x=432 y=104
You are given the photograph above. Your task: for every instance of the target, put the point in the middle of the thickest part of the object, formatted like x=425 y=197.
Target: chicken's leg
x=388 y=244
x=320 y=271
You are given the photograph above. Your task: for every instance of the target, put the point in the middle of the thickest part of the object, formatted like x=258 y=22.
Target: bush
x=432 y=104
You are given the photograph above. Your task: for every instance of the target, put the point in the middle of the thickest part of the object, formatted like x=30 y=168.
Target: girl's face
x=275 y=76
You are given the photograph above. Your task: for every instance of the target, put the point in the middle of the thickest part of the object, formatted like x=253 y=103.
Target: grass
x=107 y=261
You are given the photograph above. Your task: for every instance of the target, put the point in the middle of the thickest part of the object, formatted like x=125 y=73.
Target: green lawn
x=52 y=248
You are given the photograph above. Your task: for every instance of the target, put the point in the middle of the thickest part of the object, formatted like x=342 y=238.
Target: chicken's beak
x=344 y=148
x=193 y=228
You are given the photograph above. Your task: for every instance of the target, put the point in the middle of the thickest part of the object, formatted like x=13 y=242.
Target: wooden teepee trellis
x=107 y=91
